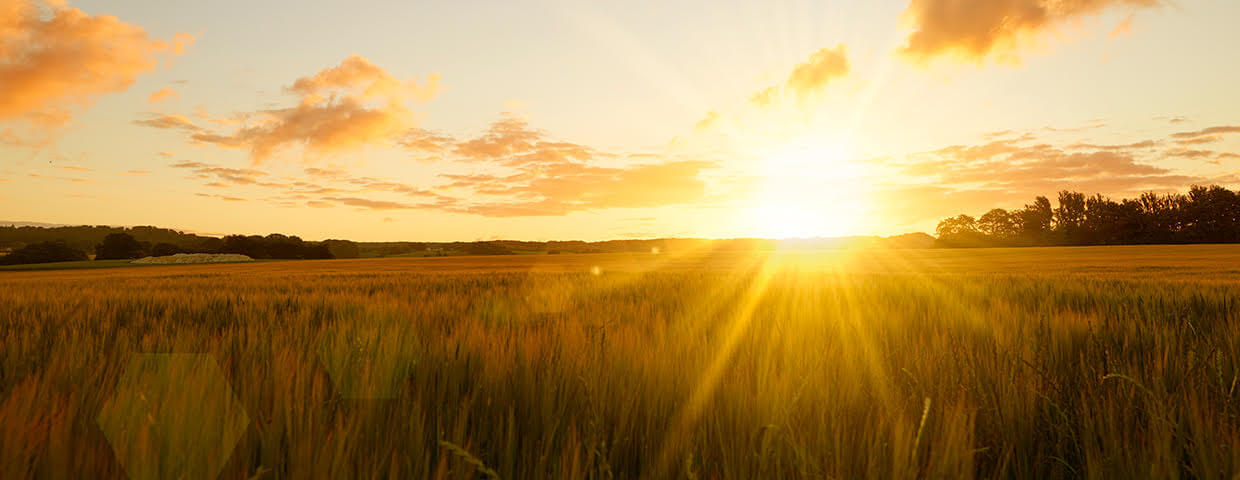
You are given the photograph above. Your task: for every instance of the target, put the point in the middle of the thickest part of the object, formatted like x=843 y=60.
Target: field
x=1090 y=362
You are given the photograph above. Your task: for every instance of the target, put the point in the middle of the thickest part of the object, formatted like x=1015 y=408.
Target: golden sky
x=557 y=119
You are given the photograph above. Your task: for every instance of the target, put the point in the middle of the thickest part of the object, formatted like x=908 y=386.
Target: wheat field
x=1090 y=362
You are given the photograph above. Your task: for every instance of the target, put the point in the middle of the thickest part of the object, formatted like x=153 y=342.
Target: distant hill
x=10 y=223
x=86 y=237
x=15 y=235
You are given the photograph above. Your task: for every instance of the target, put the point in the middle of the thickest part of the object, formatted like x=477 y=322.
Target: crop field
x=1089 y=362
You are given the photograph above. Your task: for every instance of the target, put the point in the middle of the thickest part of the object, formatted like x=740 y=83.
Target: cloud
x=510 y=141
x=1208 y=131
x=430 y=146
x=542 y=176
x=1124 y=27
x=1144 y=144
x=222 y=197
x=369 y=204
x=135 y=172
x=167 y=121
x=979 y=30
x=66 y=179
x=808 y=78
x=813 y=75
x=234 y=176
x=712 y=118
x=524 y=173
x=1189 y=153
x=569 y=188
x=341 y=109
x=166 y=93
x=1202 y=140
x=1009 y=173
x=54 y=58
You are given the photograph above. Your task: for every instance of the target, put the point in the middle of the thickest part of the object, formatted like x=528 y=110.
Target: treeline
x=30 y=244
x=510 y=247
x=1203 y=215
x=122 y=245
x=85 y=238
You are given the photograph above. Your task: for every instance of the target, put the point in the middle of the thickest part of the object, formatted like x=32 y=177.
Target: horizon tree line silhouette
x=1202 y=215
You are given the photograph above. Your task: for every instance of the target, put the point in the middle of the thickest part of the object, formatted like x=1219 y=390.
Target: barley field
x=1089 y=362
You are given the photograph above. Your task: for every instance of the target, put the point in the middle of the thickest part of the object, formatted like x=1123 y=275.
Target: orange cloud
x=166 y=93
x=1124 y=27
x=1005 y=173
x=977 y=30
x=1208 y=132
x=369 y=204
x=66 y=179
x=810 y=77
x=222 y=197
x=1188 y=153
x=1202 y=140
x=814 y=74
x=169 y=121
x=527 y=174
x=510 y=141
x=548 y=177
x=431 y=145
x=342 y=108
x=53 y=58
x=235 y=176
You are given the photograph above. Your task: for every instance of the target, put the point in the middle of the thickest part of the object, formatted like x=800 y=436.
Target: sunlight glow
x=809 y=189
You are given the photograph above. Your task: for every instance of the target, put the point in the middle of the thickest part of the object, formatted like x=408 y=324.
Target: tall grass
x=900 y=365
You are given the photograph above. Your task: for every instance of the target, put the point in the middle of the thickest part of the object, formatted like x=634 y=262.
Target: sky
x=543 y=120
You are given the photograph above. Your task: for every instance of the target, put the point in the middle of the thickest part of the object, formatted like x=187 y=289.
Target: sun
x=809 y=189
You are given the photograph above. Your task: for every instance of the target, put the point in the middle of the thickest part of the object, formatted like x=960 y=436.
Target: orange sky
x=590 y=120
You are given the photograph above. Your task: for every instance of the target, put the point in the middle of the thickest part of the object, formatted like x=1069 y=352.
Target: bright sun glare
x=809 y=189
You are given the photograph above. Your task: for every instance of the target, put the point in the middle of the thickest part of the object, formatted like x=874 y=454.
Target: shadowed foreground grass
x=1117 y=362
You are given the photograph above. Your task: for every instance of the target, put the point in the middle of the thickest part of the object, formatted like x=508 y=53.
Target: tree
x=961 y=231
x=342 y=248
x=44 y=252
x=1070 y=216
x=1035 y=220
x=117 y=246
x=251 y=246
x=999 y=224
x=956 y=226
x=165 y=249
x=1203 y=215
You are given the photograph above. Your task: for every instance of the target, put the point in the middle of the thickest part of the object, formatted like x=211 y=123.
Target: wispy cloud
x=162 y=95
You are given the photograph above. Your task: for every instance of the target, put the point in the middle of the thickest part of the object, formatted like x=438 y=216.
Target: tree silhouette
x=44 y=252
x=1203 y=215
x=165 y=249
x=117 y=246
